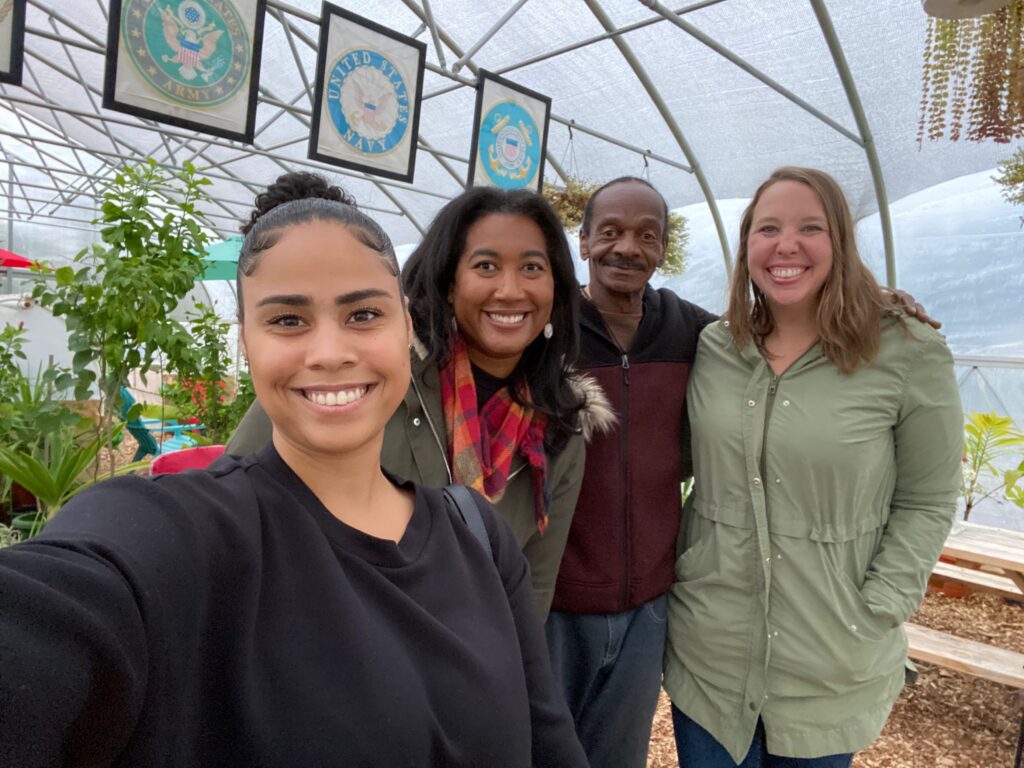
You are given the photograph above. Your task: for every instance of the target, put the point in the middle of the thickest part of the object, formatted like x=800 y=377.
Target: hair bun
x=298 y=185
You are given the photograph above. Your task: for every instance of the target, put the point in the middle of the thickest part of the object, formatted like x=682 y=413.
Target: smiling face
x=327 y=337
x=624 y=243
x=503 y=290
x=789 y=250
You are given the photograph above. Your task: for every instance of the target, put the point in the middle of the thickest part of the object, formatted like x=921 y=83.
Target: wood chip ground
x=945 y=720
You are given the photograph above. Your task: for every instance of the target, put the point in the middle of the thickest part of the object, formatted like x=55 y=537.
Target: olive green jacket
x=821 y=504
x=416 y=448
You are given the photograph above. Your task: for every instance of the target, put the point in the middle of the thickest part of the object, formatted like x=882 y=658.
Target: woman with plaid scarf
x=493 y=401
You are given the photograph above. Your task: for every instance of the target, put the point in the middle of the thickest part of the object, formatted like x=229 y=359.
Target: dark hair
x=588 y=210
x=296 y=198
x=545 y=364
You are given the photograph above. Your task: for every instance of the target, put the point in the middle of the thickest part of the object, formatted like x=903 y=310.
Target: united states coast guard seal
x=195 y=52
x=508 y=146
x=368 y=102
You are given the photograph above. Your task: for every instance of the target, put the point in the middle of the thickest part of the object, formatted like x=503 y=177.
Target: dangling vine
x=972 y=79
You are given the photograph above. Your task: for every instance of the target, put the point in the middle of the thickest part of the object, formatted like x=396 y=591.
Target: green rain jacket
x=821 y=504
x=416 y=448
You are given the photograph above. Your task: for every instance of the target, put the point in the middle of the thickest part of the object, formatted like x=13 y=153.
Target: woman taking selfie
x=298 y=606
x=827 y=444
x=492 y=400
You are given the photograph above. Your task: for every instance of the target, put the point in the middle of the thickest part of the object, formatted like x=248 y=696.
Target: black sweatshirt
x=226 y=618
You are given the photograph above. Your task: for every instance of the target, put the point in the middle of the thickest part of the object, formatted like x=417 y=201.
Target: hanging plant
x=972 y=77
x=675 y=251
x=570 y=201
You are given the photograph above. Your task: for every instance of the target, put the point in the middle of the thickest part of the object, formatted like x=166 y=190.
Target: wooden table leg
x=1018 y=760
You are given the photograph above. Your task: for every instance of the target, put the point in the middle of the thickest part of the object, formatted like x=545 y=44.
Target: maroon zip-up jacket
x=621 y=547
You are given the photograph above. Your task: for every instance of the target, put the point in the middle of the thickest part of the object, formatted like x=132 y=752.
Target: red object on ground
x=8 y=259
x=188 y=458
x=955 y=589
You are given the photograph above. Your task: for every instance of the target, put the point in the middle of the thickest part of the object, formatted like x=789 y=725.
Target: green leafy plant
x=117 y=298
x=570 y=201
x=32 y=408
x=238 y=406
x=8 y=536
x=1011 y=485
x=12 y=339
x=989 y=438
x=202 y=390
x=57 y=472
x=1011 y=178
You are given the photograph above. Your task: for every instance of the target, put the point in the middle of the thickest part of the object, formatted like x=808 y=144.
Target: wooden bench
x=977 y=579
x=972 y=658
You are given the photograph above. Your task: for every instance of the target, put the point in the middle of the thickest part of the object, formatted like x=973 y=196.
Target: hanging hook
x=570 y=152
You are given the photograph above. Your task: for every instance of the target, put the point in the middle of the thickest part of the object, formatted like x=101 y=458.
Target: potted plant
x=55 y=473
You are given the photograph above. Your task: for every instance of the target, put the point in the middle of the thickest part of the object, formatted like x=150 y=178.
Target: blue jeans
x=699 y=749
x=609 y=666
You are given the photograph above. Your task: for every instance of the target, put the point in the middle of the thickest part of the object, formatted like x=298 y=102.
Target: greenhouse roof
x=705 y=98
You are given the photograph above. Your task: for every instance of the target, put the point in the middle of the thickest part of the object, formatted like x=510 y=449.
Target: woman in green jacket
x=827 y=445
x=493 y=402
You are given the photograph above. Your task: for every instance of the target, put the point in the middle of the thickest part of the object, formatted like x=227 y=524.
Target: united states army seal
x=195 y=52
x=368 y=102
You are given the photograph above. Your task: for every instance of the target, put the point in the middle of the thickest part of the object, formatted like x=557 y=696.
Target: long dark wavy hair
x=546 y=363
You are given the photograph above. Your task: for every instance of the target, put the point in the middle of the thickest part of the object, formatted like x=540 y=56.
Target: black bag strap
x=458 y=497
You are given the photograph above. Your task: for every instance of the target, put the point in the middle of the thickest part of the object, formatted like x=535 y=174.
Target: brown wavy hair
x=851 y=305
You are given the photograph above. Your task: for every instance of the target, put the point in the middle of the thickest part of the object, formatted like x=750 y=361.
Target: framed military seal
x=190 y=63
x=510 y=135
x=366 y=108
x=12 y=40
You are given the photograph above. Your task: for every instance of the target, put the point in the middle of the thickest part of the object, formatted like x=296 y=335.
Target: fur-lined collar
x=597 y=415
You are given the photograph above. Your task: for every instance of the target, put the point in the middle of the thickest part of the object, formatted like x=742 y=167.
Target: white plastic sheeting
x=956 y=241
x=738 y=128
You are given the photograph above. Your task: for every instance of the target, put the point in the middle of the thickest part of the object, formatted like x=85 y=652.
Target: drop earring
x=455 y=325
x=549 y=330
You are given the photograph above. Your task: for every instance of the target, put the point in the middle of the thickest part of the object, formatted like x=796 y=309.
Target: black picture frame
x=110 y=83
x=327 y=143
x=485 y=81
x=12 y=75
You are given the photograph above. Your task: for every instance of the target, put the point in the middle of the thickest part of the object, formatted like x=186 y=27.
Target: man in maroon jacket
x=606 y=630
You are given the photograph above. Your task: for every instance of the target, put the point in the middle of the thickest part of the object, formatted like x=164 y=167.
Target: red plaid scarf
x=481 y=444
